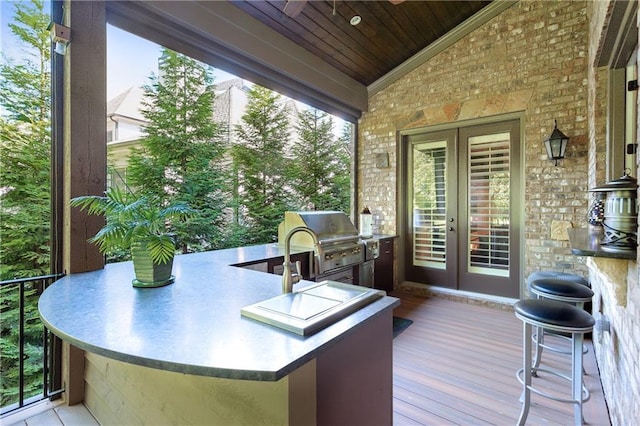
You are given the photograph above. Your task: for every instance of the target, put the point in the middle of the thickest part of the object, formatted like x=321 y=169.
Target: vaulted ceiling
x=390 y=32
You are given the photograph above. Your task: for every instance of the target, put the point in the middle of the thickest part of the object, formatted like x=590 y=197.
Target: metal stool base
x=553 y=348
x=586 y=395
x=556 y=349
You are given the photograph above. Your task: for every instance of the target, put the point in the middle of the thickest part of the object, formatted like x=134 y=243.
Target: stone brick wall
x=532 y=58
x=616 y=304
x=615 y=282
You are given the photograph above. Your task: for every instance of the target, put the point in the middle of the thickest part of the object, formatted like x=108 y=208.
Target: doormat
x=400 y=325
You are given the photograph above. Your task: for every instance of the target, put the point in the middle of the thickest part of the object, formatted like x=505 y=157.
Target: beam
x=225 y=37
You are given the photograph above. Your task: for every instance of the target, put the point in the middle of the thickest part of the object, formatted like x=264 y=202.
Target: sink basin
x=312 y=308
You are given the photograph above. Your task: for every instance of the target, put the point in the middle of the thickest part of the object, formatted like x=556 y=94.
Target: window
x=631 y=113
x=620 y=54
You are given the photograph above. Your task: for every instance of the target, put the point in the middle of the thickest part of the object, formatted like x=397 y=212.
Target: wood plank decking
x=455 y=365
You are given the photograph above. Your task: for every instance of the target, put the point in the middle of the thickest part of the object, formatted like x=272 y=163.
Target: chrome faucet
x=289 y=279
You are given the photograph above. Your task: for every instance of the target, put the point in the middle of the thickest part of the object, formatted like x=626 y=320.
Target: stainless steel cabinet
x=384 y=276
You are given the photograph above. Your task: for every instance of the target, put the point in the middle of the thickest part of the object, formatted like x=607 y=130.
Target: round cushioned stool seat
x=554 y=315
x=565 y=291
x=564 y=276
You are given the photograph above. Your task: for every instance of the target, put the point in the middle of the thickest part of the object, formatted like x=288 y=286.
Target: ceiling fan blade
x=396 y=1
x=293 y=7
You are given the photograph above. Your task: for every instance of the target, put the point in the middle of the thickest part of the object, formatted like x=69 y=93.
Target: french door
x=462 y=212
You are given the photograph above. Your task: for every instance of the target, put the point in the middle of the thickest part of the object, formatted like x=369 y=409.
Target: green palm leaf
x=133 y=218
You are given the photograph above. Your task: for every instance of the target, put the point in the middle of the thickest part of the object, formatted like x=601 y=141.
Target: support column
x=84 y=155
x=85 y=129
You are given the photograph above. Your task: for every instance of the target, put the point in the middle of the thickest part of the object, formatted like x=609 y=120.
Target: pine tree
x=24 y=194
x=25 y=134
x=321 y=163
x=180 y=158
x=341 y=179
x=261 y=164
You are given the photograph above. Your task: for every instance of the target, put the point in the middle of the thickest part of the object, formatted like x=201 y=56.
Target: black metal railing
x=30 y=359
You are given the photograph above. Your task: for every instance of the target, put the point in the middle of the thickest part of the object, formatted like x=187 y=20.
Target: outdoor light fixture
x=61 y=36
x=556 y=144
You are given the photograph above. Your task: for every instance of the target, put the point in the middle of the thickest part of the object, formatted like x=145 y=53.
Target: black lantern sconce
x=556 y=144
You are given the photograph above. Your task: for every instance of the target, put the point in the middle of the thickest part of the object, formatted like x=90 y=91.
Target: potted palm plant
x=141 y=224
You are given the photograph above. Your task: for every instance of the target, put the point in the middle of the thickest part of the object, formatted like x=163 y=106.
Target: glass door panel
x=429 y=204
x=490 y=213
x=488 y=201
x=430 y=179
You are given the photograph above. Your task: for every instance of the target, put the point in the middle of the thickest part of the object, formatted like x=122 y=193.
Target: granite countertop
x=585 y=242
x=194 y=325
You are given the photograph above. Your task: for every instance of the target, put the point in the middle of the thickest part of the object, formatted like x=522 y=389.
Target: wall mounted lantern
x=556 y=144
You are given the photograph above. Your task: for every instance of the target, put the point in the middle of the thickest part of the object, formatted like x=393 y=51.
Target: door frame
x=401 y=202
x=450 y=137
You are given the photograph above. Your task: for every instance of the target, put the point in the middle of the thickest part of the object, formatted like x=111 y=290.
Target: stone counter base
x=350 y=383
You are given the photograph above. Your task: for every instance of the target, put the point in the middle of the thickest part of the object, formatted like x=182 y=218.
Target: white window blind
x=429 y=204
x=489 y=204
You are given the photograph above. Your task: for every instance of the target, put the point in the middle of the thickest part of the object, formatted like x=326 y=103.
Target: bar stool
x=564 y=276
x=560 y=317
x=562 y=291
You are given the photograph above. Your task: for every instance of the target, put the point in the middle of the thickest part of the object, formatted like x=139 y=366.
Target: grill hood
x=330 y=227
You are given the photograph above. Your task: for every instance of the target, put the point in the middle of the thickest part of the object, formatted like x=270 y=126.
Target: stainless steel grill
x=339 y=247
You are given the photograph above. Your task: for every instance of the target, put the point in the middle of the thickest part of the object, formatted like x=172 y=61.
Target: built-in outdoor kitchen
x=231 y=328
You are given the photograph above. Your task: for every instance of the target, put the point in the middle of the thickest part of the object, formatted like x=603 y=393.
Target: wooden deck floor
x=455 y=365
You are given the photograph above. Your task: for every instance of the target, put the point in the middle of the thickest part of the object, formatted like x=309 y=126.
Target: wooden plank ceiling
x=389 y=33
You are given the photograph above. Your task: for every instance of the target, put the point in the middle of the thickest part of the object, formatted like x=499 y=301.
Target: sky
x=7 y=46
x=131 y=60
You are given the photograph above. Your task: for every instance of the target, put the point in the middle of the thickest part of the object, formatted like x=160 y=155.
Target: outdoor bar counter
x=183 y=354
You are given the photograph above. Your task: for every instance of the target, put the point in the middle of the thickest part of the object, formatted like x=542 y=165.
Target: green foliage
x=321 y=176
x=9 y=343
x=25 y=163
x=29 y=104
x=261 y=164
x=132 y=218
x=25 y=168
x=181 y=156
x=341 y=179
x=429 y=170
